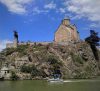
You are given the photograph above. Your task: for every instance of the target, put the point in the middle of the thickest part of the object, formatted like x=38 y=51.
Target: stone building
x=5 y=72
x=66 y=32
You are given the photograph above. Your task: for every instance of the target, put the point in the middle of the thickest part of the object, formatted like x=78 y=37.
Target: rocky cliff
x=40 y=61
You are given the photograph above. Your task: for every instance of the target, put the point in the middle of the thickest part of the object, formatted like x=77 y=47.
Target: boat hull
x=55 y=80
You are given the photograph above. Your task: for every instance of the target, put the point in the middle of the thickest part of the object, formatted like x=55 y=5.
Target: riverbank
x=45 y=79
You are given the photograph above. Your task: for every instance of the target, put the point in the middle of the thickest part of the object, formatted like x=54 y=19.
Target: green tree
x=14 y=76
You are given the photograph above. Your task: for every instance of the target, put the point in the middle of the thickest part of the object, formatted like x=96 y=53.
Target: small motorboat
x=55 y=80
x=56 y=76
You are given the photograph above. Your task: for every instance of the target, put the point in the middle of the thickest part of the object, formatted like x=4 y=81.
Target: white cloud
x=76 y=8
x=36 y=10
x=3 y=44
x=62 y=10
x=16 y=6
x=51 y=5
x=85 y=8
x=93 y=25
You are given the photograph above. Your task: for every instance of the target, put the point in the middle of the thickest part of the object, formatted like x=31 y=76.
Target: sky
x=37 y=20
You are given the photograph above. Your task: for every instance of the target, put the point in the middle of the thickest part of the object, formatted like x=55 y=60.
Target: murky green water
x=76 y=85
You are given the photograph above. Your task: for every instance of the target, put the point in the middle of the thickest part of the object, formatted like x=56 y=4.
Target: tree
x=14 y=76
x=93 y=41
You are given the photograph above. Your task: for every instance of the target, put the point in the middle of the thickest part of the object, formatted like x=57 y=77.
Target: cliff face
x=39 y=61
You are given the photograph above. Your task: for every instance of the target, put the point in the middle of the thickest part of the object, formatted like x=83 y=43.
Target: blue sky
x=37 y=20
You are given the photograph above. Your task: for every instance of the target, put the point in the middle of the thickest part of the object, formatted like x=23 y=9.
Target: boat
x=55 y=80
x=56 y=76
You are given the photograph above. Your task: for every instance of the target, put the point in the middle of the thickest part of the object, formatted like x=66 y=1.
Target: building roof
x=66 y=18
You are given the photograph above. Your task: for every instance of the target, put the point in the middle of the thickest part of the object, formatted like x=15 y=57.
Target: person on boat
x=57 y=74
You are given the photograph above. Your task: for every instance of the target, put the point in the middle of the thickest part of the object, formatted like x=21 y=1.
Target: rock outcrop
x=39 y=61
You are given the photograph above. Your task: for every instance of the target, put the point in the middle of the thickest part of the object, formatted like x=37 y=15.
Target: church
x=66 y=32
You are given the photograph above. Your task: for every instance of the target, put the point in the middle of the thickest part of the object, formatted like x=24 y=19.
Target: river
x=40 y=85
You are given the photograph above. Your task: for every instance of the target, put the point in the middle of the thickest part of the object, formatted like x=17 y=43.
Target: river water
x=40 y=85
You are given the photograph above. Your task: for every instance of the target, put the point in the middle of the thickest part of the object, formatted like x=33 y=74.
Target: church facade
x=66 y=32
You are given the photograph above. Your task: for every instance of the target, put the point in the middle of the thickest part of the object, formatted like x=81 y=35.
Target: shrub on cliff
x=22 y=49
x=35 y=73
x=26 y=69
x=9 y=51
x=32 y=70
x=76 y=58
x=14 y=76
x=54 y=60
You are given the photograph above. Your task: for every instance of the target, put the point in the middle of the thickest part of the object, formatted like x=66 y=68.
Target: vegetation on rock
x=14 y=76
